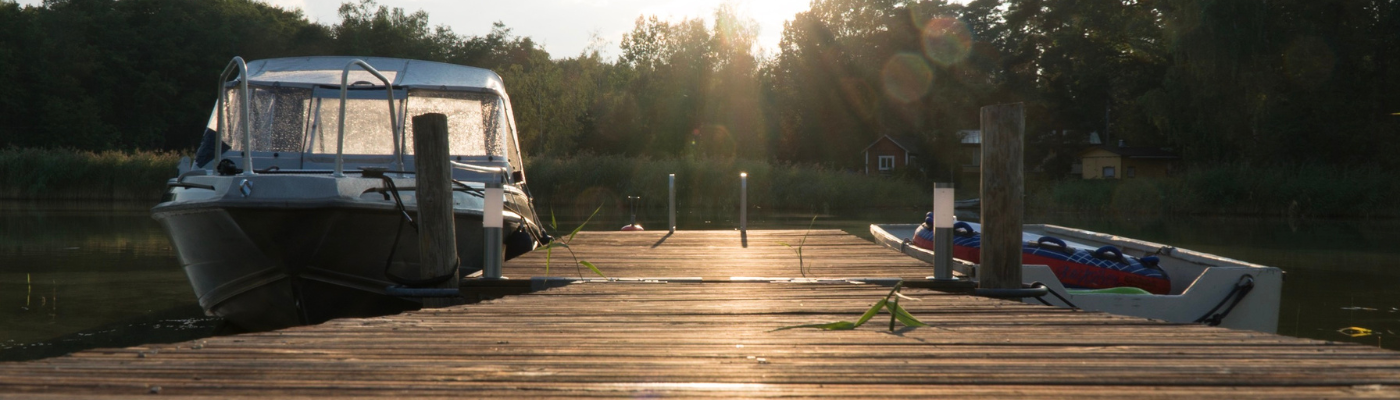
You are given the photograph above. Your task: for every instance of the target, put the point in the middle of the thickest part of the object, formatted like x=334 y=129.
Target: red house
x=889 y=153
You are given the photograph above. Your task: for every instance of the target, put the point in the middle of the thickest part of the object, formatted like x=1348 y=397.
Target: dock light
x=671 y=182
x=943 y=207
x=943 y=231
x=743 y=201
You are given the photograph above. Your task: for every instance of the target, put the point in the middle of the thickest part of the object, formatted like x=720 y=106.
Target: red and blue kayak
x=1077 y=266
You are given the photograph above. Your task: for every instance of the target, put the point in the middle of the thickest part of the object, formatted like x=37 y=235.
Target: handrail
x=247 y=114
x=344 y=93
x=495 y=172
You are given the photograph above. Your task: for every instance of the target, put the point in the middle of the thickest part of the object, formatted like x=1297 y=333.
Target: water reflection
x=84 y=275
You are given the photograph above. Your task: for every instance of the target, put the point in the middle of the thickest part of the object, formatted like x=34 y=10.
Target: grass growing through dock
x=890 y=303
x=549 y=248
x=801 y=266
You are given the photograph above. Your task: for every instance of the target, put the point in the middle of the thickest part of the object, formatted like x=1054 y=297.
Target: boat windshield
x=285 y=119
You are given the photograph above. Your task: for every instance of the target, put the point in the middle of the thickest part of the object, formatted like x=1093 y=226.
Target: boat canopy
x=409 y=74
x=295 y=108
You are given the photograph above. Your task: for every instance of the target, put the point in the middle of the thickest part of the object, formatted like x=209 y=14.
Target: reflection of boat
x=1203 y=287
x=969 y=203
x=310 y=224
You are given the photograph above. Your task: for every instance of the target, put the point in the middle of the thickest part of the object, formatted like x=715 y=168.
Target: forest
x=1221 y=82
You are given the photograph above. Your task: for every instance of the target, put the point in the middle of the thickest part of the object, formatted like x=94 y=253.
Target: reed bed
x=1322 y=191
x=594 y=180
x=591 y=180
x=59 y=174
x=583 y=180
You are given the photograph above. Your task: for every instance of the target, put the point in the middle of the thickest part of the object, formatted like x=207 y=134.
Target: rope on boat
x=1057 y=295
x=1241 y=289
x=398 y=233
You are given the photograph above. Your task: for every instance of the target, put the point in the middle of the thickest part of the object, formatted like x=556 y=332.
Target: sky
x=564 y=27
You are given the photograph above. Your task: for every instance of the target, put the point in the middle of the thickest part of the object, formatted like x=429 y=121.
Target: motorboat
x=1187 y=286
x=298 y=207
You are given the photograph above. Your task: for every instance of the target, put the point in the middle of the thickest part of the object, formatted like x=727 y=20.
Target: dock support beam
x=943 y=231
x=671 y=207
x=1003 y=132
x=437 y=235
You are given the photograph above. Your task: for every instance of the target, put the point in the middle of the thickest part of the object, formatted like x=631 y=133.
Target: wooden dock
x=714 y=337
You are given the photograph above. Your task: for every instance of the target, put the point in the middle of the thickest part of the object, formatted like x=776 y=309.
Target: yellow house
x=1122 y=162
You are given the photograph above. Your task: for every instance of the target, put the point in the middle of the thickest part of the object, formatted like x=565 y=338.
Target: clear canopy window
x=307 y=120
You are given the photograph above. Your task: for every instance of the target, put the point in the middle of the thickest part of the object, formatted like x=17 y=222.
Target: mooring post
x=437 y=236
x=943 y=231
x=671 y=207
x=743 y=202
x=1003 y=130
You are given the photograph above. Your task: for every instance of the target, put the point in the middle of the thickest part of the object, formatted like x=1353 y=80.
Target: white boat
x=1205 y=288
x=303 y=213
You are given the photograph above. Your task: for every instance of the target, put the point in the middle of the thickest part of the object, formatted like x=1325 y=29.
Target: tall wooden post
x=1003 y=130
x=437 y=236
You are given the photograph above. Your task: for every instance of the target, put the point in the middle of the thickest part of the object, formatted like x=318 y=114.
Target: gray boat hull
x=272 y=267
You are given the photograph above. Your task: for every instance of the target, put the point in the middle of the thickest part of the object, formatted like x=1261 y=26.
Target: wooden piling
x=437 y=238
x=1003 y=130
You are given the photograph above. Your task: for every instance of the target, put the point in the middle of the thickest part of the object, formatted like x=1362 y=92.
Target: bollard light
x=943 y=231
x=943 y=207
x=671 y=182
x=492 y=219
x=743 y=201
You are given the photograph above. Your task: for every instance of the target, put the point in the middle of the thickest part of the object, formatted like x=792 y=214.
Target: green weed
x=549 y=248
x=801 y=266
x=890 y=303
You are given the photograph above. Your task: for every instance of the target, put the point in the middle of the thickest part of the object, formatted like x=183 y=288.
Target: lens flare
x=946 y=40
x=907 y=77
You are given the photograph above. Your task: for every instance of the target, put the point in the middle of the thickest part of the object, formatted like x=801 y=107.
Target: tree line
x=1261 y=83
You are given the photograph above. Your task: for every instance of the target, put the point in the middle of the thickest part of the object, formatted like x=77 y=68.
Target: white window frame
x=886 y=163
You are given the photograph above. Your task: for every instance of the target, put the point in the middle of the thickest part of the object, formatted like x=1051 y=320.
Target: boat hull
x=272 y=267
x=1203 y=285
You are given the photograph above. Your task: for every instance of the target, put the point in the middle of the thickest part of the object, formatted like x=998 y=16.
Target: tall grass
x=1236 y=190
x=46 y=174
x=714 y=183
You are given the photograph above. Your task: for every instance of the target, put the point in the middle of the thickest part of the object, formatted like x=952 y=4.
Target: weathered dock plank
x=717 y=339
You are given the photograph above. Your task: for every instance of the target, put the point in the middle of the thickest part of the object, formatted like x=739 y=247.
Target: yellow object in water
x=1355 y=331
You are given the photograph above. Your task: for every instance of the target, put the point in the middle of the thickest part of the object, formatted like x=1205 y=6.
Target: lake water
x=86 y=275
